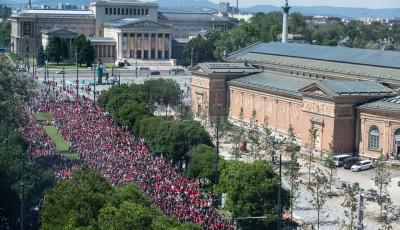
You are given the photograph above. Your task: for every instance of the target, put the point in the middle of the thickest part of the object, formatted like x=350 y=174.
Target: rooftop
x=190 y=16
x=341 y=88
x=101 y=39
x=275 y=82
x=391 y=104
x=225 y=67
x=57 y=13
x=335 y=54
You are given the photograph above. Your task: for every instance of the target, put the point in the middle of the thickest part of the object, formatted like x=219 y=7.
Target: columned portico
x=163 y=47
x=156 y=50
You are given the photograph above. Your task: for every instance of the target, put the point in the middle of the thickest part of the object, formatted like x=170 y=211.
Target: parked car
x=370 y=194
x=362 y=165
x=338 y=159
x=60 y=72
x=155 y=73
x=350 y=162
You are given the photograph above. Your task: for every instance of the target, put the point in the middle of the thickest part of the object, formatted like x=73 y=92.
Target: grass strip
x=61 y=144
x=43 y=117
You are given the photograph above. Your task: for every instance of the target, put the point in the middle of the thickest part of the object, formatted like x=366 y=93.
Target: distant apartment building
x=66 y=6
x=225 y=8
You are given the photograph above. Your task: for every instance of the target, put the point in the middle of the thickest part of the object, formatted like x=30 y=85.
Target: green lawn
x=71 y=156
x=43 y=117
x=61 y=144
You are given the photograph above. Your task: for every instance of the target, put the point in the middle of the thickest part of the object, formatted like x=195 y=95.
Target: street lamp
x=94 y=86
x=77 y=78
x=181 y=103
x=22 y=193
x=63 y=73
x=191 y=57
x=280 y=144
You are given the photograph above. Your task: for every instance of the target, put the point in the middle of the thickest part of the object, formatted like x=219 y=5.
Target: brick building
x=350 y=94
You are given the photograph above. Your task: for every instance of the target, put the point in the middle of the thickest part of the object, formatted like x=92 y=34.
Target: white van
x=339 y=159
x=142 y=68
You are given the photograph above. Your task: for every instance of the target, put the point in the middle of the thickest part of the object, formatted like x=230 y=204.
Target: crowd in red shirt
x=105 y=147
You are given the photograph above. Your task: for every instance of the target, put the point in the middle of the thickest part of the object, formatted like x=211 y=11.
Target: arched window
x=397 y=132
x=373 y=141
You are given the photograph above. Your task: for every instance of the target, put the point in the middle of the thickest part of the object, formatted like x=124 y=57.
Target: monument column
x=120 y=45
x=286 y=9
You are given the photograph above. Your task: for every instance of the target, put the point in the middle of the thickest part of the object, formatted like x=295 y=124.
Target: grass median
x=43 y=117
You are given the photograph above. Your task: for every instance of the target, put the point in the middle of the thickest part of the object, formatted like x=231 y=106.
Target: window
x=138 y=11
x=373 y=141
x=115 y=11
x=147 y=11
x=119 y=11
x=220 y=95
x=126 y=11
x=142 y=11
x=134 y=11
x=130 y=11
x=106 y=10
x=123 y=11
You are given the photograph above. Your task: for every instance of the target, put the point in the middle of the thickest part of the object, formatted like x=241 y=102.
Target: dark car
x=155 y=73
x=350 y=162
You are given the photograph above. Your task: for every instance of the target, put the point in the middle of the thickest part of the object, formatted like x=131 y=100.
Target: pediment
x=147 y=24
x=315 y=89
x=59 y=32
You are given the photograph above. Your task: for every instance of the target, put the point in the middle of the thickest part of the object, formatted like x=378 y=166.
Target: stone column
x=286 y=9
x=135 y=46
x=142 y=50
x=70 y=46
x=163 y=47
x=149 y=51
x=129 y=45
x=98 y=51
x=156 y=51
x=170 y=46
x=119 y=45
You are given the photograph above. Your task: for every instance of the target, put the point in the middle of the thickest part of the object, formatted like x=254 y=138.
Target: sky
x=372 y=4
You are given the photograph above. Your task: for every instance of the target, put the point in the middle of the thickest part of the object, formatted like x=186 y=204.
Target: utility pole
x=191 y=59
x=280 y=188
x=94 y=86
x=77 y=78
x=22 y=193
x=63 y=72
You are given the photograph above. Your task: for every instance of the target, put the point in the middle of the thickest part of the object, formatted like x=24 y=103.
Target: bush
x=121 y=64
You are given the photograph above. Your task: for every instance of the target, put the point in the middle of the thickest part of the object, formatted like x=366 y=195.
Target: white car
x=362 y=165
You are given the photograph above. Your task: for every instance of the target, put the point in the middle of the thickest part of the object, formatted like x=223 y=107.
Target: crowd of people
x=107 y=148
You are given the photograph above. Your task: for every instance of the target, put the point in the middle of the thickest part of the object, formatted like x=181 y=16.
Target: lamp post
x=63 y=72
x=77 y=78
x=191 y=57
x=181 y=103
x=280 y=143
x=94 y=86
x=216 y=151
x=22 y=193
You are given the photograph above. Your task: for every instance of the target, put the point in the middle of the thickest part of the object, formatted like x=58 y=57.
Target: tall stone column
x=129 y=46
x=149 y=50
x=163 y=47
x=156 y=51
x=120 y=45
x=170 y=46
x=286 y=9
x=135 y=46
x=142 y=49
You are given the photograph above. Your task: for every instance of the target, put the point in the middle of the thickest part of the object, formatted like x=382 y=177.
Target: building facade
x=349 y=95
x=117 y=29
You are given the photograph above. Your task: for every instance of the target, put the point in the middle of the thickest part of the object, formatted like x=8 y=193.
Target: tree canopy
x=56 y=49
x=85 y=50
x=89 y=201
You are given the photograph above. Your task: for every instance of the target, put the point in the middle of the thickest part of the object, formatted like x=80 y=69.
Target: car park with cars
x=362 y=165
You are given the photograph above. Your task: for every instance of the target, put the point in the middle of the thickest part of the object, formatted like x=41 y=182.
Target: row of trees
x=267 y=27
x=57 y=51
x=13 y=146
x=89 y=201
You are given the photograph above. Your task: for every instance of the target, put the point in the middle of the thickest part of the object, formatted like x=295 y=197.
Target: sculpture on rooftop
x=386 y=44
x=344 y=41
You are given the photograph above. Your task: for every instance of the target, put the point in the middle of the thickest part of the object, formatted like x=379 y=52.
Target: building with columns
x=121 y=29
x=349 y=94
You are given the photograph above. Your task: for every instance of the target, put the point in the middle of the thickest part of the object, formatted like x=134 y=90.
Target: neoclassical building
x=122 y=29
x=349 y=94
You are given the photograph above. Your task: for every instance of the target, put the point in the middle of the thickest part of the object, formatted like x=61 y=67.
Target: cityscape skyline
x=371 y=4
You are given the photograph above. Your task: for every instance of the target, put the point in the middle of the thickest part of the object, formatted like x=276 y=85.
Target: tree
x=56 y=49
x=202 y=165
x=41 y=56
x=330 y=163
x=85 y=50
x=131 y=113
x=292 y=174
x=260 y=183
x=148 y=129
x=254 y=137
x=267 y=139
x=318 y=188
x=202 y=50
x=312 y=137
x=381 y=180
x=297 y=23
x=351 y=203
x=237 y=136
x=163 y=91
x=175 y=139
